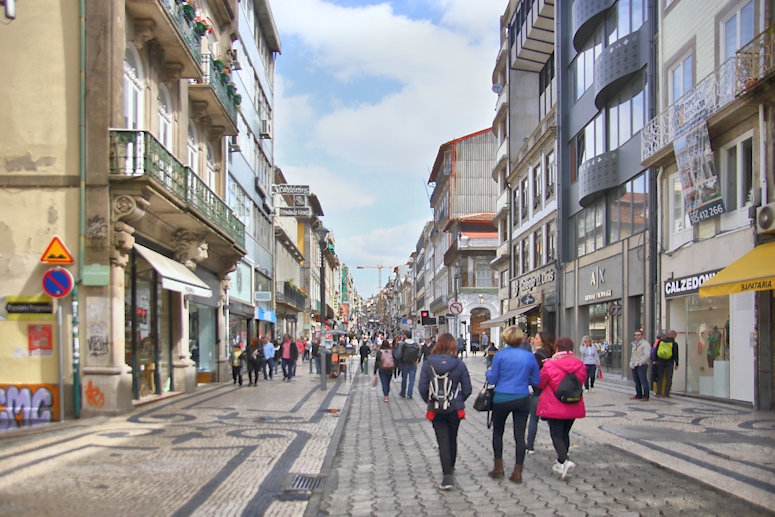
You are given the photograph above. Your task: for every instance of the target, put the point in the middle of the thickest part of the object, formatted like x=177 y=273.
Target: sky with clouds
x=366 y=93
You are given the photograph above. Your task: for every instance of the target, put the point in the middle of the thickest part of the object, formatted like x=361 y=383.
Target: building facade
x=709 y=148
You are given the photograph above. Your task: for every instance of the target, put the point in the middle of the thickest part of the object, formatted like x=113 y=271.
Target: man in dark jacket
x=365 y=351
x=408 y=356
x=665 y=367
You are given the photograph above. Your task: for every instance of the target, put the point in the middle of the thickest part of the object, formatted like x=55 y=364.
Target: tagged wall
x=28 y=405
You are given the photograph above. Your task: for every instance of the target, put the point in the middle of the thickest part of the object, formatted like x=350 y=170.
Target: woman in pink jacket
x=560 y=415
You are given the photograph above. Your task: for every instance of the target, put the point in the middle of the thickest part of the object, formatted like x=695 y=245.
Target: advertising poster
x=40 y=341
x=700 y=184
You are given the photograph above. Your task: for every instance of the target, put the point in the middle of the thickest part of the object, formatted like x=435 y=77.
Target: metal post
x=322 y=360
x=322 y=354
x=61 y=354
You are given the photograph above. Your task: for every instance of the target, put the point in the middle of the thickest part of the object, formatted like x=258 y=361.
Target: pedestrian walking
x=640 y=357
x=316 y=355
x=365 y=351
x=591 y=359
x=269 y=364
x=255 y=352
x=667 y=361
x=408 y=354
x=513 y=371
x=290 y=352
x=384 y=365
x=461 y=346
x=278 y=356
x=544 y=349
x=236 y=360
x=561 y=415
x=445 y=384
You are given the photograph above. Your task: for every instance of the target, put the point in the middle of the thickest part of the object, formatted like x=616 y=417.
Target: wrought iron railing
x=216 y=79
x=736 y=76
x=291 y=295
x=137 y=153
x=186 y=30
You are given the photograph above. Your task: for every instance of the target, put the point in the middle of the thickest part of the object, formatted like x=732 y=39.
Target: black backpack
x=570 y=389
x=410 y=353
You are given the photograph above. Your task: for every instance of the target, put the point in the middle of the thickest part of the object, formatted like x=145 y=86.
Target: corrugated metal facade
x=471 y=186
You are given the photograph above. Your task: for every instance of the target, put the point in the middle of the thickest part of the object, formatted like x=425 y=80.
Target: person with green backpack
x=667 y=362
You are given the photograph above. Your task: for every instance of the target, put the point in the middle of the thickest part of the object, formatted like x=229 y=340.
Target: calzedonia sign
x=687 y=284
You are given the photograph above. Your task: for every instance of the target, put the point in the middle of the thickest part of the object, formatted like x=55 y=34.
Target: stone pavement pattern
x=290 y=449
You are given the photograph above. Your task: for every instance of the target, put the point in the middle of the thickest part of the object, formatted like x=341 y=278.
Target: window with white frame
x=681 y=77
x=192 y=149
x=133 y=89
x=165 y=117
x=551 y=239
x=537 y=187
x=538 y=248
x=737 y=173
x=525 y=256
x=212 y=170
x=551 y=171
x=525 y=195
x=737 y=29
x=680 y=226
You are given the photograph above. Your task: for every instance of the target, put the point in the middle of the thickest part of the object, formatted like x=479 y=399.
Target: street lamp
x=322 y=234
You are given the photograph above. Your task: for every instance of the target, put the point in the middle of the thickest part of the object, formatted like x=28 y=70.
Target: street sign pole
x=61 y=356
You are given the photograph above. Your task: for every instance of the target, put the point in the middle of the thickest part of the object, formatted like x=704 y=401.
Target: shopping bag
x=599 y=373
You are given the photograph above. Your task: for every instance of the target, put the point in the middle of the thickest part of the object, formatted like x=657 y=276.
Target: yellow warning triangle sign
x=57 y=253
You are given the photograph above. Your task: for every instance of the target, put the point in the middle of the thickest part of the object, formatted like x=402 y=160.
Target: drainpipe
x=654 y=183
x=81 y=207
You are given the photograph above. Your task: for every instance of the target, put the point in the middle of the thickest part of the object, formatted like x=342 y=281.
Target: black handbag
x=483 y=401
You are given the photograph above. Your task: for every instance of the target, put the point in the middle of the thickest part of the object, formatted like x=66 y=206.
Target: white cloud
x=367 y=154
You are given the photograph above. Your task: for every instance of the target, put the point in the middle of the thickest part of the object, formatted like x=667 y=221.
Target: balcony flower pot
x=225 y=76
x=202 y=27
x=188 y=11
x=237 y=99
x=219 y=64
x=231 y=89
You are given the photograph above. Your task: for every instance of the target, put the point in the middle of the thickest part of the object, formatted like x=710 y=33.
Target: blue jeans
x=287 y=368
x=532 y=423
x=640 y=376
x=385 y=376
x=269 y=364
x=316 y=360
x=520 y=410
x=408 y=372
x=591 y=371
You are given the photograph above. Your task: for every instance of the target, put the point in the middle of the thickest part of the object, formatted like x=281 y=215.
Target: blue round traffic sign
x=57 y=282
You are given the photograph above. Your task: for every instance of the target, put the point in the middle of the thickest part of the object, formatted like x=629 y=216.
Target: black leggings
x=520 y=409
x=559 y=430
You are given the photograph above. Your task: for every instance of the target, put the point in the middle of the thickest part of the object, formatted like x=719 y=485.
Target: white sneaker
x=531 y=451
x=591 y=389
x=566 y=468
x=557 y=467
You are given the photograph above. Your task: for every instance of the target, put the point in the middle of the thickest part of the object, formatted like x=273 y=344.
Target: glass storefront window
x=707 y=355
x=202 y=335
x=606 y=333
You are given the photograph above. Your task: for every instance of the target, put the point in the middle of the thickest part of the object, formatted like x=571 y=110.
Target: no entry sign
x=57 y=282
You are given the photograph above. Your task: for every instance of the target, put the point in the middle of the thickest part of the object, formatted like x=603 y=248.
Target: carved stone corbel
x=190 y=248
x=129 y=208
x=216 y=133
x=171 y=73
x=199 y=112
x=143 y=32
x=123 y=240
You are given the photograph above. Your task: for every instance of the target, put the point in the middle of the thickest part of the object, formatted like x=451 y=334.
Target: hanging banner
x=696 y=168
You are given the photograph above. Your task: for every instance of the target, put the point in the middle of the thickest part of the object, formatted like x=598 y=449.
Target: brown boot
x=516 y=476
x=497 y=470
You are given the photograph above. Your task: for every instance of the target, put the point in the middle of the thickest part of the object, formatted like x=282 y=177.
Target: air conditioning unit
x=765 y=218
x=266 y=129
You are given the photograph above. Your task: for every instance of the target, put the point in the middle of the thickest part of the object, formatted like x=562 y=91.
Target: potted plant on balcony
x=237 y=99
x=202 y=27
x=219 y=64
x=189 y=11
x=225 y=75
x=231 y=89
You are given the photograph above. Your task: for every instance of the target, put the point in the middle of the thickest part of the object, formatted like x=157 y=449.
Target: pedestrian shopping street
x=289 y=448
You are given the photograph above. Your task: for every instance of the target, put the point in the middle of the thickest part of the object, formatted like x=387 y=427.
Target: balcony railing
x=291 y=295
x=186 y=30
x=736 y=76
x=137 y=153
x=214 y=78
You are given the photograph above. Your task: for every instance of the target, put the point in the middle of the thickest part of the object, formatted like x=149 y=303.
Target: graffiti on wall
x=97 y=314
x=96 y=232
x=94 y=396
x=26 y=405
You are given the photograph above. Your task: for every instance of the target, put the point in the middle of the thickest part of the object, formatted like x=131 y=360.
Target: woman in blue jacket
x=513 y=370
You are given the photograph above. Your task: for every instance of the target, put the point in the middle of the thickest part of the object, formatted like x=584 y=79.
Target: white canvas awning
x=174 y=275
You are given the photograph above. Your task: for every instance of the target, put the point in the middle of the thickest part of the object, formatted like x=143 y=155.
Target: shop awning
x=754 y=271
x=499 y=320
x=174 y=275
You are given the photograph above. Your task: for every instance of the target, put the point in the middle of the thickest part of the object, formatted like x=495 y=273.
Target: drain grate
x=304 y=482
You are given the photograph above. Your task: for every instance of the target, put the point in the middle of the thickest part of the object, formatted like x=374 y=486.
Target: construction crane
x=379 y=274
